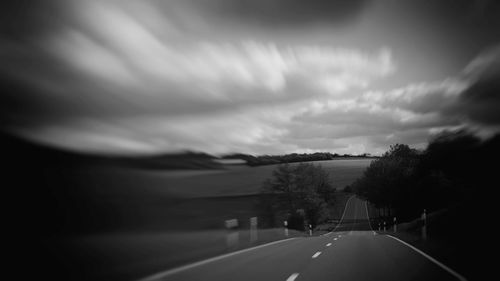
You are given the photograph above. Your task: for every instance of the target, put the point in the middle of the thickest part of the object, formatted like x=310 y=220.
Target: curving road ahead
x=353 y=251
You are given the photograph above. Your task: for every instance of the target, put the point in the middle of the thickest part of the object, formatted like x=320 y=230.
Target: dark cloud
x=481 y=101
x=24 y=20
x=286 y=12
x=461 y=12
x=368 y=119
x=472 y=24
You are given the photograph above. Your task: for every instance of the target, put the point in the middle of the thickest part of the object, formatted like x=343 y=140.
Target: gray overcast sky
x=260 y=76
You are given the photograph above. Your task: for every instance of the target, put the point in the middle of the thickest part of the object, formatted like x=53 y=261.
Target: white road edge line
x=368 y=216
x=292 y=277
x=316 y=255
x=449 y=270
x=343 y=214
x=195 y=264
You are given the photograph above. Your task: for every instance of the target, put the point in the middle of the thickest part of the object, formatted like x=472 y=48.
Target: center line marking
x=329 y=244
x=292 y=277
x=335 y=238
x=316 y=255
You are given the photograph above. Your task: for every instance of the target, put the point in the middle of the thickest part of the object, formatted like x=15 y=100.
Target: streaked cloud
x=480 y=102
x=279 y=13
x=410 y=114
x=419 y=97
x=165 y=89
x=151 y=77
x=113 y=46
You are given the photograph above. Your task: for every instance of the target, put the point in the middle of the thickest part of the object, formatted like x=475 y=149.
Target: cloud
x=481 y=101
x=250 y=131
x=134 y=77
x=221 y=72
x=373 y=123
x=472 y=96
x=419 y=97
x=146 y=77
x=278 y=13
x=410 y=114
x=116 y=51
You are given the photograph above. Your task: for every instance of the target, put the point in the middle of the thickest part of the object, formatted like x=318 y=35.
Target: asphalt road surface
x=353 y=251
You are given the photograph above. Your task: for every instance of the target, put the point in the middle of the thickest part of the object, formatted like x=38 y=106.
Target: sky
x=260 y=77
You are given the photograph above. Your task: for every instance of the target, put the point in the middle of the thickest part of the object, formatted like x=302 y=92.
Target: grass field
x=140 y=222
x=233 y=181
x=129 y=255
x=173 y=200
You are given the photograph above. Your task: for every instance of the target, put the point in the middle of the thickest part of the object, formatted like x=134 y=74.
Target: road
x=353 y=251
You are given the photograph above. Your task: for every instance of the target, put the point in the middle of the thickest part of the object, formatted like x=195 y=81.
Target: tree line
x=291 y=158
x=455 y=169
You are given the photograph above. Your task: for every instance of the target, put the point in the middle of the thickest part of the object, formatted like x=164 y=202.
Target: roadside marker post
x=253 y=229
x=385 y=229
x=378 y=226
x=310 y=230
x=233 y=236
x=286 y=228
x=395 y=224
x=424 y=225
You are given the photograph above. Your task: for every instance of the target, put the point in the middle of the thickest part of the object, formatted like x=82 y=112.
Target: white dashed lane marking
x=292 y=277
x=316 y=255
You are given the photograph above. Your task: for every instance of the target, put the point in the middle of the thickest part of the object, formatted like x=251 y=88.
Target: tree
x=305 y=186
x=388 y=181
x=282 y=182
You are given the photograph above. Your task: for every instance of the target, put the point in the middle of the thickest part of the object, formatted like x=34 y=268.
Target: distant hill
x=49 y=191
x=186 y=160
x=20 y=150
